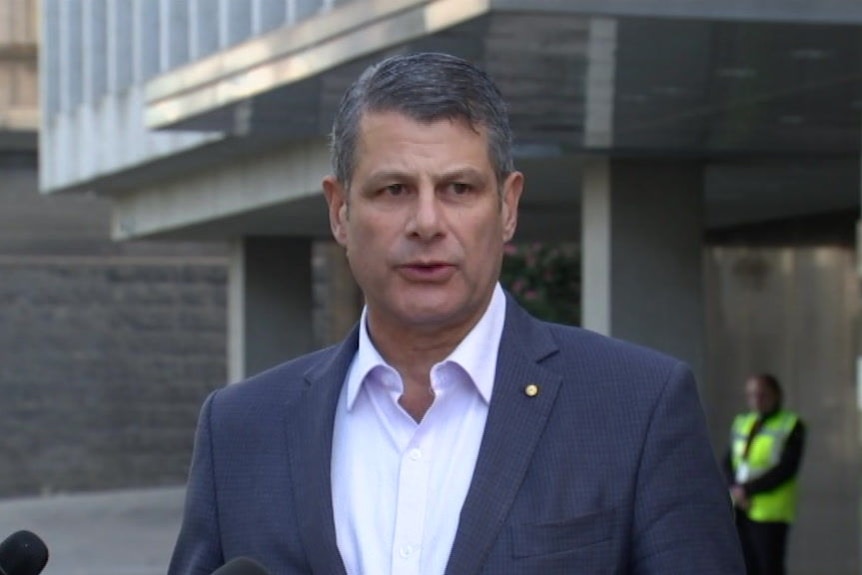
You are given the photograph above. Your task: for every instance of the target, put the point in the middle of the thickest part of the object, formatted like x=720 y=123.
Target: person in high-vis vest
x=761 y=466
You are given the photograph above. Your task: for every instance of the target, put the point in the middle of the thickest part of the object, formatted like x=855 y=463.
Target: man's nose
x=426 y=217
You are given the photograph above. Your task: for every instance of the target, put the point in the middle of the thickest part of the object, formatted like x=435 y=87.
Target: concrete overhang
x=751 y=88
x=291 y=55
x=306 y=66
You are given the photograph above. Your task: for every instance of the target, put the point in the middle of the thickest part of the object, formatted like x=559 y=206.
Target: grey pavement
x=128 y=532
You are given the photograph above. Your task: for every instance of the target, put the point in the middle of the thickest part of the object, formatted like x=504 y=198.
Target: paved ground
x=109 y=533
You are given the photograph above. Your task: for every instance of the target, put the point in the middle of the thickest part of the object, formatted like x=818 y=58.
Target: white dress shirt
x=397 y=485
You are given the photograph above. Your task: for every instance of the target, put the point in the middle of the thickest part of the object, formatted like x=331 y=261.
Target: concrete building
x=106 y=348
x=706 y=156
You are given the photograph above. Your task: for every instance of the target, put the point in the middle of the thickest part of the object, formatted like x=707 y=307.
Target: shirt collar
x=476 y=354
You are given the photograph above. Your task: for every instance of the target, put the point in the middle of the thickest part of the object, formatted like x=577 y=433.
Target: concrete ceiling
x=771 y=108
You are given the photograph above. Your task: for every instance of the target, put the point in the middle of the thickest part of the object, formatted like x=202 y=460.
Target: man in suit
x=451 y=432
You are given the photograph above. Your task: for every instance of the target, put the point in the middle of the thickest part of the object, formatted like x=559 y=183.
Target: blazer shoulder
x=278 y=384
x=613 y=347
x=604 y=352
x=567 y=343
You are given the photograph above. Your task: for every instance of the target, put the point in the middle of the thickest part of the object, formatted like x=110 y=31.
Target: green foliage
x=545 y=279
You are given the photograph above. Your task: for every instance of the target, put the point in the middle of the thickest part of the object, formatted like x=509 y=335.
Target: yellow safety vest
x=778 y=504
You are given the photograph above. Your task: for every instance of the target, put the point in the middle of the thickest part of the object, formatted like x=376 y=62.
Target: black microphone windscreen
x=241 y=566
x=23 y=553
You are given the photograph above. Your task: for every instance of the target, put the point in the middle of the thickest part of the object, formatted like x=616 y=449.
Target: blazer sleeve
x=683 y=517
x=197 y=550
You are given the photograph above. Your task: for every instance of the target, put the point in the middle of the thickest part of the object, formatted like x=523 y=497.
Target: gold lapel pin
x=532 y=390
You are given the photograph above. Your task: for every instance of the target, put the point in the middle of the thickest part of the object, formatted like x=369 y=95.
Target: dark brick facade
x=102 y=371
x=106 y=350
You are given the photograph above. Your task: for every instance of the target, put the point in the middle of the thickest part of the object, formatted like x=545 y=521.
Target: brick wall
x=103 y=366
x=106 y=350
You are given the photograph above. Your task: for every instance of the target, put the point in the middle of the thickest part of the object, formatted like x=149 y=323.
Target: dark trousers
x=764 y=545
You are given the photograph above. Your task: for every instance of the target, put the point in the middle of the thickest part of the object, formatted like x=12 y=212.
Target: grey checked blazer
x=607 y=470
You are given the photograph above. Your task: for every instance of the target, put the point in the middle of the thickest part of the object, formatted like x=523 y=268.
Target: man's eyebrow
x=375 y=178
x=394 y=175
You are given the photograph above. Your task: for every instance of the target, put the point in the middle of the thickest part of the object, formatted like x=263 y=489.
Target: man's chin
x=435 y=318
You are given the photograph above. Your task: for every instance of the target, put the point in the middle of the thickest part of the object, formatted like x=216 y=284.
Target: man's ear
x=512 y=188
x=336 y=199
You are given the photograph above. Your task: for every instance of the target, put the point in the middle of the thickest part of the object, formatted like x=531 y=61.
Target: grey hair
x=425 y=87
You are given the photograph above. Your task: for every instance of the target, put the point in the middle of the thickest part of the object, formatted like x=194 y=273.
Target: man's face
x=423 y=223
x=760 y=397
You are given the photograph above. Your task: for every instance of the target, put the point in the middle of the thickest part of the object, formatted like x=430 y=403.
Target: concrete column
x=642 y=263
x=269 y=303
x=338 y=299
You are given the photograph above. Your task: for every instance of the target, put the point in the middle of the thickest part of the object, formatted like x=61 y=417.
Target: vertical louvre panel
x=50 y=59
x=94 y=50
x=305 y=9
x=121 y=45
x=204 y=28
x=146 y=41
x=71 y=69
x=174 y=39
x=235 y=21
x=268 y=15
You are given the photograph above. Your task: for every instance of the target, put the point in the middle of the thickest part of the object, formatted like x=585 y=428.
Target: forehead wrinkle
x=465 y=173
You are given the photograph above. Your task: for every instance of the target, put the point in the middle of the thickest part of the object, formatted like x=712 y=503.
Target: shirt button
x=415 y=454
x=406 y=551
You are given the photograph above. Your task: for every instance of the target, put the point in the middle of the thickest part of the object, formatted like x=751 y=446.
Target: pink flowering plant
x=545 y=279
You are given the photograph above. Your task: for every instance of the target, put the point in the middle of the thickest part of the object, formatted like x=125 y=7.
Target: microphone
x=23 y=553
x=241 y=566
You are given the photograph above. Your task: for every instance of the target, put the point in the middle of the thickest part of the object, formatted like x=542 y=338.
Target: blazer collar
x=516 y=420
x=309 y=426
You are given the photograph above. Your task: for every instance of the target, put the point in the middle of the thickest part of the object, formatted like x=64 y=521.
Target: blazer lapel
x=516 y=419
x=309 y=437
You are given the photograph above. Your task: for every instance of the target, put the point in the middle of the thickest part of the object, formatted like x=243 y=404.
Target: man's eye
x=395 y=189
x=459 y=188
